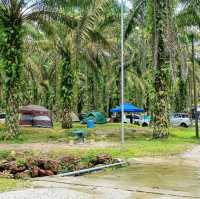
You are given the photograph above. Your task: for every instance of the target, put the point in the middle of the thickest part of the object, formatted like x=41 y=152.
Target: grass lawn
x=11 y=184
x=142 y=145
x=138 y=141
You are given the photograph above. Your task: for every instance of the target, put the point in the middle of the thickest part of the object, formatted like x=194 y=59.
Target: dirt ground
x=46 y=147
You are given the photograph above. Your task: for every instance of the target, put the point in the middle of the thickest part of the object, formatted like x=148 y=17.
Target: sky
x=127 y=3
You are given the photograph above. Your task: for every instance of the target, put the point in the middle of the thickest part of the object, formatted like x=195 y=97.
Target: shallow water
x=150 y=178
x=155 y=176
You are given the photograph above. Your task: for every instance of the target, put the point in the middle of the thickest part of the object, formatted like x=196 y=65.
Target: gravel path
x=47 y=193
x=58 y=190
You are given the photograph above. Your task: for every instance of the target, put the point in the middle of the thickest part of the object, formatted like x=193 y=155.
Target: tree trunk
x=12 y=62
x=181 y=95
x=161 y=72
x=66 y=91
x=66 y=119
x=11 y=116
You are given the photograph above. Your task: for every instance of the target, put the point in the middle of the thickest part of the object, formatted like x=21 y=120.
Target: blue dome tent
x=129 y=108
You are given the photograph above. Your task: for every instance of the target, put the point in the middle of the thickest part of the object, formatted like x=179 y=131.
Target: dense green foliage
x=65 y=55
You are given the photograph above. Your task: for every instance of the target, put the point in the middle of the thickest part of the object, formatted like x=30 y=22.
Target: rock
x=41 y=163
x=5 y=166
x=41 y=172
x=52 y=165
x=36 y=162
x=34 y=171
x=30 y=163
x=49 y=173
x=6 y=174
x=12 y=167
x=101 y=159
x=22 y=175
x=68 y=163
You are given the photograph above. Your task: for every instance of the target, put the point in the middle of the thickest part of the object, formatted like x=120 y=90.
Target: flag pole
x=122 y=71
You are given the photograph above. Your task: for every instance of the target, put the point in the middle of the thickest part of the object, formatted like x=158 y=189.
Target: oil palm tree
x=13 y=15
x=188 y=20
x=161 y=69
x=73 y=42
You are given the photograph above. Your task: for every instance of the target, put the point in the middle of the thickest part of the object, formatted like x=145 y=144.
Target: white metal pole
x=122 y=71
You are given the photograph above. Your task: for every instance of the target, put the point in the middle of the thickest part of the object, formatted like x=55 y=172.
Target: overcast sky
x=127 y=3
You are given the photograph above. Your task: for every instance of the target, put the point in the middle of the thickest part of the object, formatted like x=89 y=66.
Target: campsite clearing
x=101 y=139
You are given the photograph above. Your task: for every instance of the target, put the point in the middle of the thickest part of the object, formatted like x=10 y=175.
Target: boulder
x=68 y=163
x=30 y=163
x=41 y=172
x=12 y=167
x=41 y=163
x=36 y=162
x=49 y=173
x=16 y=169
x=101 y=159
x=52 y=165
x=5 y=166
x=22 y=175
x=34 y=171
x=6 y=174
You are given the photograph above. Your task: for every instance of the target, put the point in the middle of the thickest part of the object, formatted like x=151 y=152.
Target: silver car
x=180 y=119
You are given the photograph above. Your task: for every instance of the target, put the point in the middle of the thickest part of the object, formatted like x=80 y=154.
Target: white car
x=176 y=119
x=180 y=119
x=142 y=120
x=2 y=117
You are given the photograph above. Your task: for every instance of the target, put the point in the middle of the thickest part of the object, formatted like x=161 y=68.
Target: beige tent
x=74 y=117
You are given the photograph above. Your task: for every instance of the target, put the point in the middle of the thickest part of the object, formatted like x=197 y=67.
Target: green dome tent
x=98 y=118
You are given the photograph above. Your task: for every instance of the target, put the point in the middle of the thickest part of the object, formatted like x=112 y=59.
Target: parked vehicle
x=130 y=119
x=180 y=119
x=144 y=120
x=2 y=117
x=136 y=119
x=176 y=119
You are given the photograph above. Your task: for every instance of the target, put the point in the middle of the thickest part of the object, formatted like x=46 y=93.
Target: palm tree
x=161 y=70
x=73 y=42
x=188 y=20
x=13 y=15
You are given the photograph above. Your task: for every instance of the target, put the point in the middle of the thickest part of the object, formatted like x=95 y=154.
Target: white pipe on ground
x=82 y=171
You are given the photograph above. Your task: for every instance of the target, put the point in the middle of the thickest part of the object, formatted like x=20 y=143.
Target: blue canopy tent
x=129 y=108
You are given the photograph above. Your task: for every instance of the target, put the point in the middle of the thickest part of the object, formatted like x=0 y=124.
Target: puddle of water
x=158 y=176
